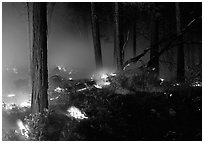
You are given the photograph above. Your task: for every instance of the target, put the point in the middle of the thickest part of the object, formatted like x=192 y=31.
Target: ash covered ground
x=131 y=105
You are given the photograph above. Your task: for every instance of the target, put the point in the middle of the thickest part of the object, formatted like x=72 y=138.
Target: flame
x=61 y=68
x=11 y=95
x=196 y=84
x=97 y=86
x=58 y=89
x=76 y=113
x=25 y=104
x=82 y=89
x=24 y=129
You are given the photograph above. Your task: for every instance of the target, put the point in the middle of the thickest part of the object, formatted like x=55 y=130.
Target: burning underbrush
x=112 y=106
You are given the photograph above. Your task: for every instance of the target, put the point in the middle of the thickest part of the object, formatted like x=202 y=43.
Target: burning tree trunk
x=180 y=49
x=96 y=36
x=39 y=75
x=154 y=42
x=118 y=47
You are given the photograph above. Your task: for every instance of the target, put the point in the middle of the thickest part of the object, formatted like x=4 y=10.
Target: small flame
x=97 y=86
x=59 y=90
x=104 y=76
x=61 y=68
x=25 y=104
x=24 y=129
x=76 y=113
x=11 y=95
x=82 y=89
x=197 y=84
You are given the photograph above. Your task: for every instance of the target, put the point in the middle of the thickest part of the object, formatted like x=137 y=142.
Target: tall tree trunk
x=180 y=49
x=154 y=40
x=118 y=47
x=39 y=100
x=29 y=38
x=134 y=37
x=96 y=36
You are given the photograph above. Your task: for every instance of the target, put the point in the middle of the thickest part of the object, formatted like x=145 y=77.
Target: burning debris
x=23 y=129
x=26 y=104
x=82 y=89
x=11 y=95
x=61 y=68
x=102 y=78
x=59 y=90
x=76 y=113
x=196 y=84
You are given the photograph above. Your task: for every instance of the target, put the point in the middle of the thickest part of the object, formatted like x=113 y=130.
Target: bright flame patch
x=24 y=129
x=59 y=90
x=11 y=95
x=76 y=113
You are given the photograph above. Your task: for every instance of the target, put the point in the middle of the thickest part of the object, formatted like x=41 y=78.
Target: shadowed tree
x=154 y=40
x=117 y=34
x=134 y=36
x=180 y=48
x=96 y=36
x=39 y=71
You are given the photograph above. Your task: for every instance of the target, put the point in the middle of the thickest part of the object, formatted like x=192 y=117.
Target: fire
x=58 y=89
x=25 y=104
x=196 y=84
x=23 y=129
x=76 y=113
x=102 y=78
x=61 y=68
x=11 y=95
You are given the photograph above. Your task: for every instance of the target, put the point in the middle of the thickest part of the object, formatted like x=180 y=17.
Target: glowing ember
x=197 y=84
x=113 y=74
x=24 y=129
x=161 y=79
x=54 y=98
x=97 y=86
x=70 y=72
x=61 y=68
x=11 y=95
x=126 y=66
x=104 y=76
x=76 y=113
x=106 y=83
x=59 y=90
x=82 y=89
x=25 y=104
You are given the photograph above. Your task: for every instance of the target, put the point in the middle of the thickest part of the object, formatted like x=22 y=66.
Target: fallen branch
x=169 y=46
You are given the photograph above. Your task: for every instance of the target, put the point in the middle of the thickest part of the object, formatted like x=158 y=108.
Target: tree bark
x=96 y=37
x=180 y=49
x=134 y=38
x=154 y=40
x=118 y=47
x=39 y=75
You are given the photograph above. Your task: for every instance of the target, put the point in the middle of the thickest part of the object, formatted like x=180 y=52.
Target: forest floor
x=121 y=110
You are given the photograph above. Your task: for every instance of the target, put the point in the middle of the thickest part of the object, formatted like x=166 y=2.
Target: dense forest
x=150 y=90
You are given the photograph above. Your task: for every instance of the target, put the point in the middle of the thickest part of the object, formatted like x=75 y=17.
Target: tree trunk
x=39 y=75
x=154 y=40
x=180 y=49
x=134 y=38
x=96 y=36
x=118 y=47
